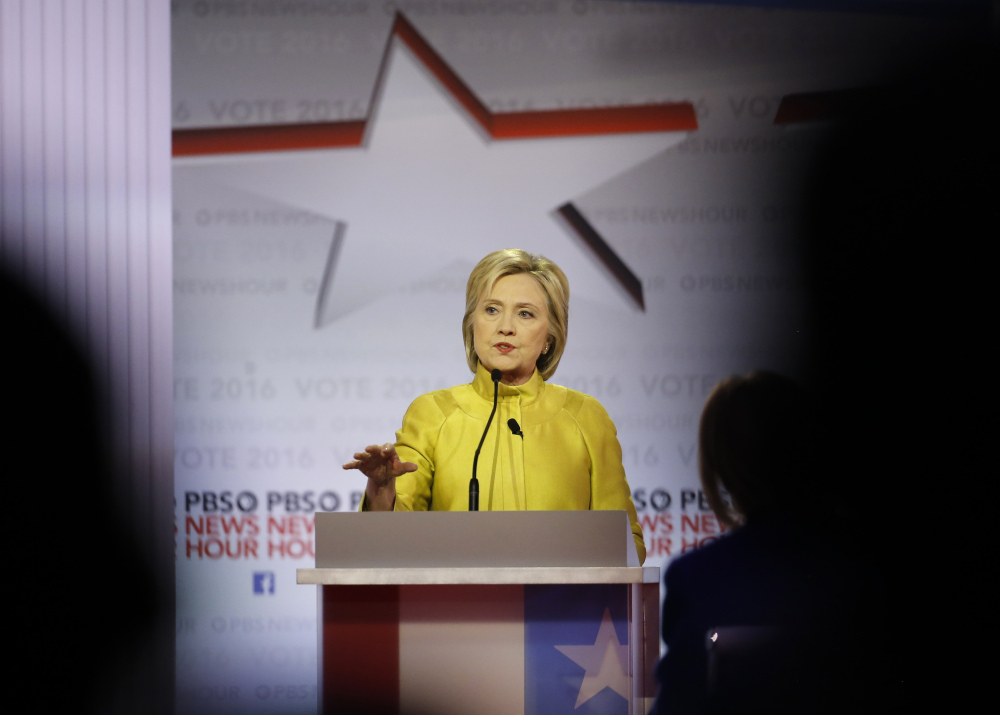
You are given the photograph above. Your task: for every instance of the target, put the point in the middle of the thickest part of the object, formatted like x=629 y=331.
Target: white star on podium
x=605 y=662
x=430 y=192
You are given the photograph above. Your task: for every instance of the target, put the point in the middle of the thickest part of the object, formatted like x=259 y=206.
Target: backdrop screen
x=340 y=167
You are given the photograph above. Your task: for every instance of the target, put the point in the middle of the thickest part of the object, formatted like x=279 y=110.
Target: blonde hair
x=550 y=278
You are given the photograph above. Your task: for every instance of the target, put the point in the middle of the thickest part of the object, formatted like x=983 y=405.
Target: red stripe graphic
x=664 y=117
x=276 y=137
x=821 y=106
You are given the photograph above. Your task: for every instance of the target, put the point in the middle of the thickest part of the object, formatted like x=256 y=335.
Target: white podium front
x=483 y=612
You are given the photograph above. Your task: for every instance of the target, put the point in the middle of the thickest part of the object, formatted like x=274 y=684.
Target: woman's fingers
x=363 y=458
x=380 y=462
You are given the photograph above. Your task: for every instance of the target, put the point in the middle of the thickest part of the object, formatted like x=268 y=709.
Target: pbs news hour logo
x=675 y=521
x=248 y=525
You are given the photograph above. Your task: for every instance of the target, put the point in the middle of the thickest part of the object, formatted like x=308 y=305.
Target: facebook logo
x=263 y=582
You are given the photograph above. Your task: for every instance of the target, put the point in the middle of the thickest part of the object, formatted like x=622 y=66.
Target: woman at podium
x=546 y=448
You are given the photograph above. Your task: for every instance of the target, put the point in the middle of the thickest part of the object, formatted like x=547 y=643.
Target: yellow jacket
x=568 y=458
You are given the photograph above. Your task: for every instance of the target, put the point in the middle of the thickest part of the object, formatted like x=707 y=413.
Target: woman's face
x=511 y=327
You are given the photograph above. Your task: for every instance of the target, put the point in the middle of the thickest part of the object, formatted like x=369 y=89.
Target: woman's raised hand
x=381 y=464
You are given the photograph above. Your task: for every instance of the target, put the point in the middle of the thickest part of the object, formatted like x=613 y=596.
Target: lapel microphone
x=515 y=427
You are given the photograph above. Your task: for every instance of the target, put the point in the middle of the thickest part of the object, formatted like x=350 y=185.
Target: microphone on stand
x=495 y=375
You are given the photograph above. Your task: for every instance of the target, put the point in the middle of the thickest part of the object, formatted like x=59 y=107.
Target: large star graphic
x=427 y=171
x=605 y=662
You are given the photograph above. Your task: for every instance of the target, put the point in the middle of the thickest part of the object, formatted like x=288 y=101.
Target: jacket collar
x=528 y=392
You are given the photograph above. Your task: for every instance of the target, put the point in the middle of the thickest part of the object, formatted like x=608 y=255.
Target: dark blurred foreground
x=81 y=603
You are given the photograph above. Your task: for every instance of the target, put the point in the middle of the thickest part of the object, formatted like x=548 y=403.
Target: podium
x=483 y=612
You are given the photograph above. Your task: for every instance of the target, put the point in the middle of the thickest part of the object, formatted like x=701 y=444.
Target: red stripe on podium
x=361 y=650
